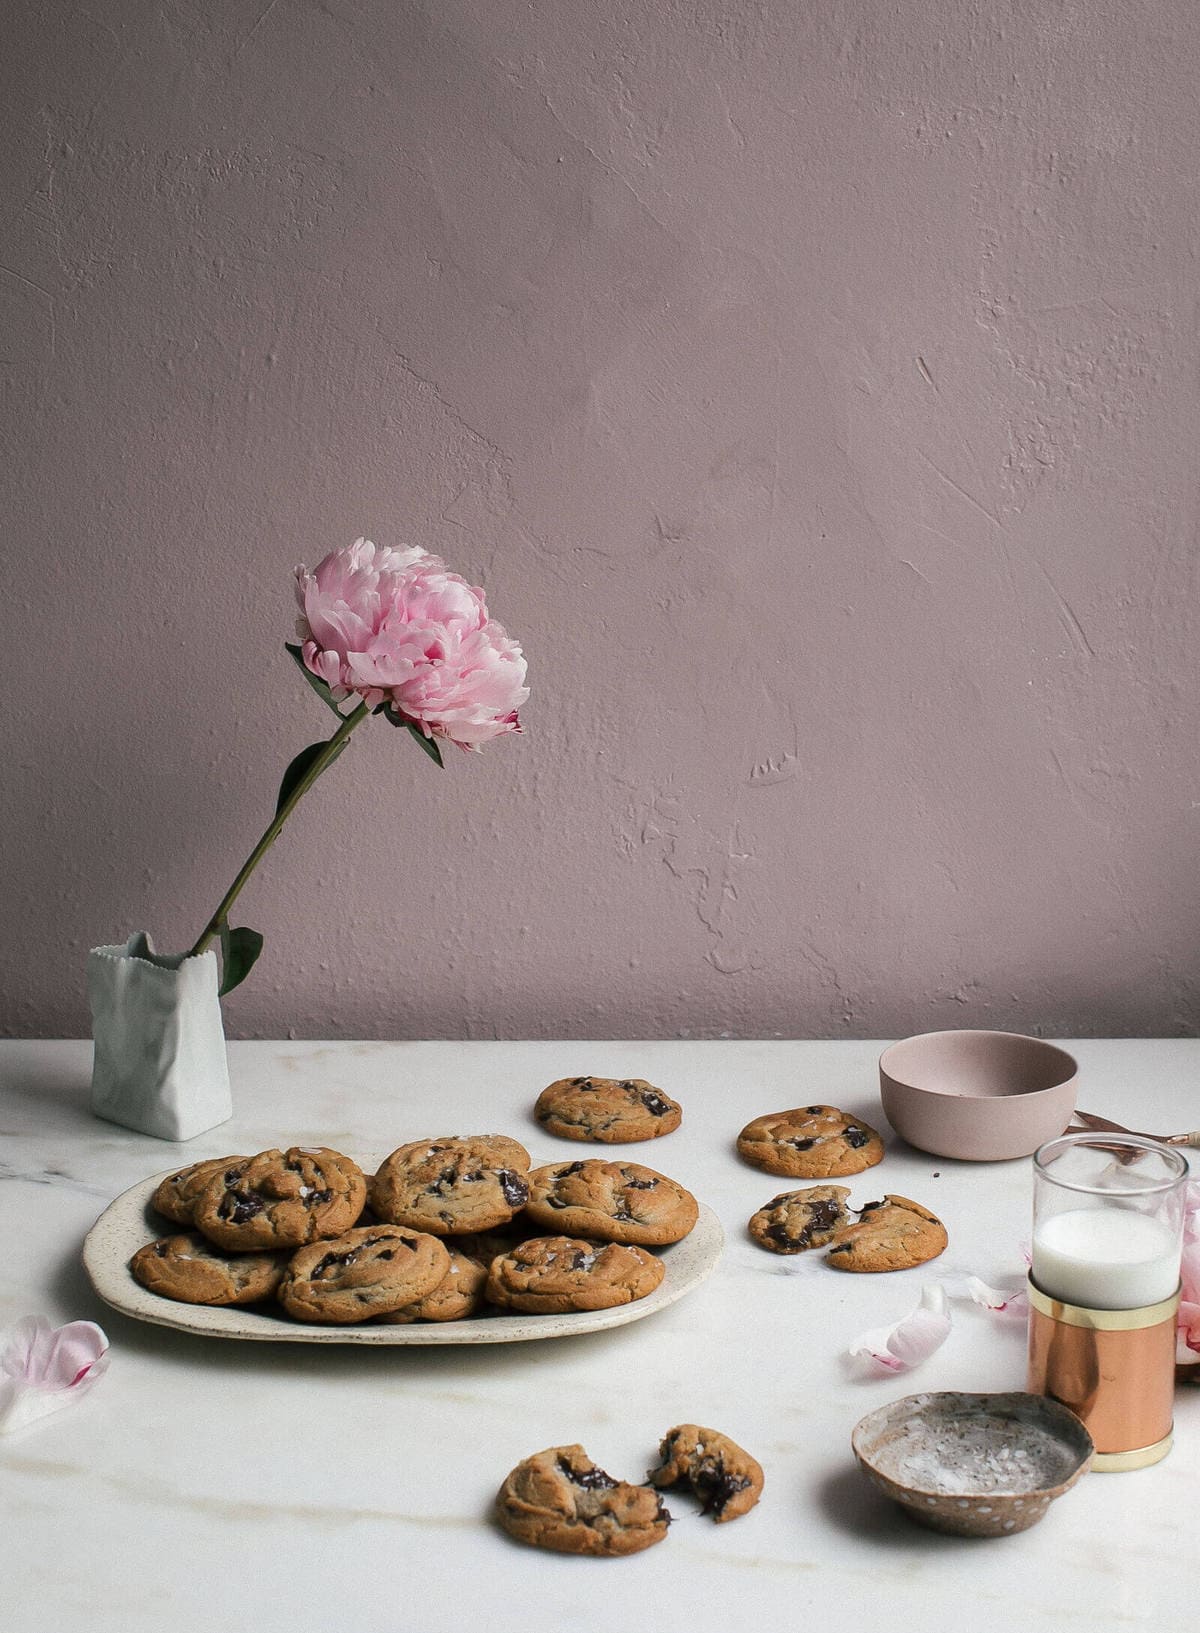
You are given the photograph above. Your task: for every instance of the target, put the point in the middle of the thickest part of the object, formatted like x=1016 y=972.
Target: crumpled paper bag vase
x=160 y=1065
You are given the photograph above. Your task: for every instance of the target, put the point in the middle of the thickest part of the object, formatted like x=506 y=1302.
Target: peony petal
x=77 y=1350
x=911 y=1340
x=45 y=1368
x=1189 y=1325
x=23 y=1356
x=1191 y=1211
x=1014 y=1303
x=1189 y=1272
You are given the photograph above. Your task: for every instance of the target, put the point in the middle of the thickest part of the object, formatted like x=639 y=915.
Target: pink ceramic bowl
x=977 y=1096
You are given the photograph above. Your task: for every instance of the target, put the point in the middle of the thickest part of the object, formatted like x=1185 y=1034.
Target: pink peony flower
x=44 y=1368
x=396 y=627
x=412 y=642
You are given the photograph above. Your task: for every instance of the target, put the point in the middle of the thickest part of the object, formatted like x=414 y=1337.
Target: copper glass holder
x=1115 y=1369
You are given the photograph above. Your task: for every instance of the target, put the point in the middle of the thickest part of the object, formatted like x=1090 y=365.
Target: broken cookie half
x=726 y=1480
x=893 y=1234
x=795 y=1221
x=559 y=1499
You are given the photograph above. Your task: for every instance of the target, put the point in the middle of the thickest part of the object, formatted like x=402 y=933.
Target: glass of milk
x=1107 y=1220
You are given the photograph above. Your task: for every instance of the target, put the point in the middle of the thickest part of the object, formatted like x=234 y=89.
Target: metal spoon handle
x=1105 y=1125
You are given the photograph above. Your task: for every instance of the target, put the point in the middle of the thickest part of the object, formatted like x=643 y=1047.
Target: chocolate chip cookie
x=485 y=1244
x=362 y=1273
x=452 y=1185
x=610 y=1201
x=795 y=1221
x=551 y=1275
x=281 y=1199
x=176 y=1196
x=811 y=1142
x=614 y=1111
x=559 y=1499
x=190 y=1270
x=726 y=1479
x=894 y=1234
x=458 y=1295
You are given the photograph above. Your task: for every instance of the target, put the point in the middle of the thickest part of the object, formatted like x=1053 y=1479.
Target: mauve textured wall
x=815 y=390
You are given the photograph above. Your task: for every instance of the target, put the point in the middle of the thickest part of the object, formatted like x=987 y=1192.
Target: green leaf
x=299 y=768
x=315 y=681
x=239 y=951
x=429 y=744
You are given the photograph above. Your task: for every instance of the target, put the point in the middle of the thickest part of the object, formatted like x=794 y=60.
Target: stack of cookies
x=445 y=1229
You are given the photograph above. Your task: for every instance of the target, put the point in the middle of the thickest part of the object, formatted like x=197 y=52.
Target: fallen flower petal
x=911 y=1340
x=45 y=1368
x=1014 y=1303
x=1188 y=1330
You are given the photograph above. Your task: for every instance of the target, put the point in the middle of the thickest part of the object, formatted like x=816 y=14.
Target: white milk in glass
x=1105 y=1258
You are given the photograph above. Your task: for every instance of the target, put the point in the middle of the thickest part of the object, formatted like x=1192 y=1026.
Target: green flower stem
x=332 y=749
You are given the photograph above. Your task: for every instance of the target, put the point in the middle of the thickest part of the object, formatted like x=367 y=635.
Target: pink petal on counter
x=911 y=1340
x=44 y=1368
x=1014 y=1303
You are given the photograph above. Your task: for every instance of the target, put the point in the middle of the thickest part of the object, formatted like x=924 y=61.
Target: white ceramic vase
x=160 y=1065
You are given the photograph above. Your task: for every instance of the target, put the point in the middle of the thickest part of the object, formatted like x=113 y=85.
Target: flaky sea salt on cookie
x=797 y=1221
x=553 y=1275
x=609 y=1110
x=894 y=1234
x=726 y=1479
x=810 y=1142
x=611 y=1201
x=559 y=1499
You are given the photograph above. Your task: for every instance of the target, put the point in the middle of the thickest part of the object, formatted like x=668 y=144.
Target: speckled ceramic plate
x=130 y=1222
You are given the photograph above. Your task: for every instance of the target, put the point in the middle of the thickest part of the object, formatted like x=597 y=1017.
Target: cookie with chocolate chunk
x=559 y=1499
x=458 y=1295
x=726 y=1479
x=190 y=1270
x=610 y=1201
x=810 y=1142
x=485 y=1244
x=795 y=1221
x=178 y=1193
x=894 y=1234
x=551 y=1275
x=611 y=1110
x=452 y=1185
x=281 y=1199
x=362 y=1273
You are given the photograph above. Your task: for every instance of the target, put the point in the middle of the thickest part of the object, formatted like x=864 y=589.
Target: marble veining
x=48 y=1176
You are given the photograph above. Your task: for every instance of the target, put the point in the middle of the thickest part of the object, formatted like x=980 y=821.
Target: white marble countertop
x=260 y=1487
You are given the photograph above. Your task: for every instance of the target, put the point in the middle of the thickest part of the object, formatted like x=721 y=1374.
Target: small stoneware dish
x=977 y=1096
x=974 y=1465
